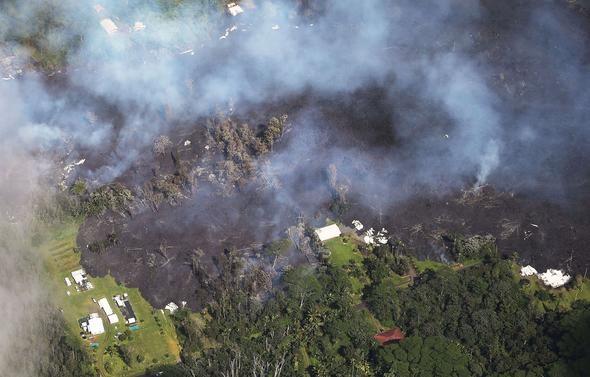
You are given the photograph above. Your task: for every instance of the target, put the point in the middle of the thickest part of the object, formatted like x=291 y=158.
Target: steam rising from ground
x=513 y=113
x=483 y=128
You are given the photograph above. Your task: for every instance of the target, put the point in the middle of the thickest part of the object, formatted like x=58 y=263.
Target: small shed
x=328 y=232
x=390 y=336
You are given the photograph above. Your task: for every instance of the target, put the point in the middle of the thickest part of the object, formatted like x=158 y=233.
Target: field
x=153 y=343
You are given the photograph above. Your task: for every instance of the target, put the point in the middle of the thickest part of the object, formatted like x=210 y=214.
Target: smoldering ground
x=406 y=99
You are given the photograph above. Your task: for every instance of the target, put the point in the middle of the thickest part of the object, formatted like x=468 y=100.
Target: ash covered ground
x=424 y=119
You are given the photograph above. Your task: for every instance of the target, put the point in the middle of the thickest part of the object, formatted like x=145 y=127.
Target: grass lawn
x=342 y=251
x=400 y=281
x=155 y=340
x=423 y=265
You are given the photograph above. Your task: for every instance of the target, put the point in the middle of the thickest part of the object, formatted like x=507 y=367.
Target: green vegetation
x=120 y=352
x=467 y=319
x=343 y=250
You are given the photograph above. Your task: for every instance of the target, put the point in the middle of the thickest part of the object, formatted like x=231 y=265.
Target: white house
x=104 y=305
x=94 y=324
x=119 y=301
x=79 y=276
x=328 y=232
x=234 y=9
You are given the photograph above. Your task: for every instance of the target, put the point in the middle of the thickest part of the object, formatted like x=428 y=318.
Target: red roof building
x=390 y=336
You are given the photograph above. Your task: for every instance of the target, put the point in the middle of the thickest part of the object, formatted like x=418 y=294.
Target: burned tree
x=339 y=188
x=162 y=145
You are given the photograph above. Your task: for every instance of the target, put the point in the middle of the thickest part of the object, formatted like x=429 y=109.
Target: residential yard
x=343 y=250
x=153 y=343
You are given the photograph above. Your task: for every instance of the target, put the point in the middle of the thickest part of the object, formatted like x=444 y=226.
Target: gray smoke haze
x=21 y=290
x=428 y=51
x=513 y=112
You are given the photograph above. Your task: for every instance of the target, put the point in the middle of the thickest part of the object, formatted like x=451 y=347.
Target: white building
x=68 y=282
x=234 y=9
x=94 y=324
x=104 y=305
x=119 y=301
x=328 y=232
x=79 y=276
x=109 y=26
x=113 y=319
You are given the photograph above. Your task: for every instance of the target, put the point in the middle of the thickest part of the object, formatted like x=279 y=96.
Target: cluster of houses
x=93 y=324
x=370 y=237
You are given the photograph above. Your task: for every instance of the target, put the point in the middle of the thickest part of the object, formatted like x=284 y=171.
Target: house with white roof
x=328 y=232
x=93 y=324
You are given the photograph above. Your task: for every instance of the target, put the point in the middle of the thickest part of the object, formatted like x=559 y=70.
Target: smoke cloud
x=473 y=93
x=21 y=289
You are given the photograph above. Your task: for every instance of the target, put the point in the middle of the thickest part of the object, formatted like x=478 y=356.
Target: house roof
x=95 y=326
x=104 y=305
x=113 y=318
x=328 y=232
x=78 y=275
x=390 y=336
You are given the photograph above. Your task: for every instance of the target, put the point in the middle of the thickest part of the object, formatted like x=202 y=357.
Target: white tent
x=95 y=326
x=104 y=305
x=68 y=282
x=113 y=319
x=328 y=232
